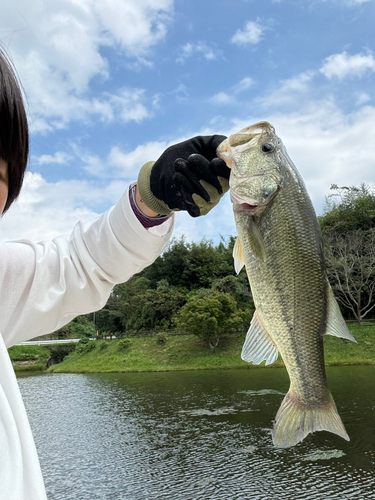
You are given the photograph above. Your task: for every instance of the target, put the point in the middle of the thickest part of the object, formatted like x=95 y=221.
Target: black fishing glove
x=187 y=176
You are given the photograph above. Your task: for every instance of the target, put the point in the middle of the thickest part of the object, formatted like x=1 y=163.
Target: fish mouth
x=247 y=207
x=250 y=134
x=242 y=140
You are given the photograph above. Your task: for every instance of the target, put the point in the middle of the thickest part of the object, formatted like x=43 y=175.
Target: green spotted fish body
x=279 y=243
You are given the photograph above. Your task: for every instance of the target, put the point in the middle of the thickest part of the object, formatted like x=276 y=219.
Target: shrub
x=124 y=345
x=83 y=347
x=61 y=351
x=103 y=345
x=161 y=338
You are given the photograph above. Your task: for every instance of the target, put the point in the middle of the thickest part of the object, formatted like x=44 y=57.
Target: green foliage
x=79 y=327
x=124 y=344
x=349 y=208
x=210 y=317
x=161 y=338
x=85 y=345
x=28 y=353
x=103 y=344
x=238 y=287
x=190 y=266
x=134 y=307
x=60 y=351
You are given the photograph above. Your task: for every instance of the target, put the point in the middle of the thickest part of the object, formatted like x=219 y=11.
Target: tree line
x=192 y=287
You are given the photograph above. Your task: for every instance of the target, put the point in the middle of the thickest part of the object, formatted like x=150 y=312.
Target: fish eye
x=268 y=148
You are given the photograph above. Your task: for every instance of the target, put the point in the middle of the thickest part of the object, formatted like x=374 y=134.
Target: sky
x=110 y=84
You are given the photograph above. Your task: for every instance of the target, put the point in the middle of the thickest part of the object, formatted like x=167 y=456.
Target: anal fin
x=258 y=345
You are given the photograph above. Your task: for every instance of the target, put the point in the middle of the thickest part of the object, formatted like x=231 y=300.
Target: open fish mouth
x=247 y=206
x=243 y=139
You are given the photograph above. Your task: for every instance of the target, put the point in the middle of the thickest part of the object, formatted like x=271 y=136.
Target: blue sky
x=111 y=83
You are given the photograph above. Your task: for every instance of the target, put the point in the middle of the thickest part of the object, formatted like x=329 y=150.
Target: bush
x=84 y=347
x=161 y=338
x=61 y=351
x=103 y=344
x=124 y=345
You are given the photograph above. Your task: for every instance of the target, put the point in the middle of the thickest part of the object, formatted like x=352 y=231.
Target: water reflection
x=195 y=435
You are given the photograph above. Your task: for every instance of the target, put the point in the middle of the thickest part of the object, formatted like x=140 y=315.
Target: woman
x=45 y=285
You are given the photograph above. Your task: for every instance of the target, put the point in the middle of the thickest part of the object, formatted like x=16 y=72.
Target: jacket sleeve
x=43 y=286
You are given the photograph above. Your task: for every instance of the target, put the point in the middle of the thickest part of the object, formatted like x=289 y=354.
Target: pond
x=195 y=435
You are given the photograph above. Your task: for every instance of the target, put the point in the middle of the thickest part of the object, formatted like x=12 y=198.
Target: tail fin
x=294 y=422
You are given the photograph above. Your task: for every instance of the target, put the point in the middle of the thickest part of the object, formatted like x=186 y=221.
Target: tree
x=79 y=327
x=134 y=306
x=348 y=227
x=348 y=209
x=210 y=317
x=190 y=266
x=350 y=262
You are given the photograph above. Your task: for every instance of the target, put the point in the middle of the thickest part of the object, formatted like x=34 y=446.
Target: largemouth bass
x=279 y=242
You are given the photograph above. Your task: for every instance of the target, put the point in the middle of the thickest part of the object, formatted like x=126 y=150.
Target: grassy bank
x=29 y=357
x=180 y=353
x=190 y=353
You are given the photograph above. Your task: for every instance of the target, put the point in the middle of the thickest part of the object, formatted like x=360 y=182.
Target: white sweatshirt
x=44 y=286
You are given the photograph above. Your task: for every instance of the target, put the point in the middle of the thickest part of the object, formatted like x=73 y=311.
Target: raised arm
x=43 y=286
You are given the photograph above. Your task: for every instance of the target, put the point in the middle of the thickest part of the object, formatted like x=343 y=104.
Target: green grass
x=29 y=358
x=344 y=352
x=145 y=354
x=182 y=353
x=190 y=353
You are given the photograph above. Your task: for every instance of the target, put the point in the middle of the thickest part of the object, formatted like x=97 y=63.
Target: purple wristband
x=146 y=221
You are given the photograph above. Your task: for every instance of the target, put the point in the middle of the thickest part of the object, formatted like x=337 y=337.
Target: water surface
x=195 y=435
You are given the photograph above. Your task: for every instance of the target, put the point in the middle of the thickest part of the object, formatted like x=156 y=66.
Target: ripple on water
x=192 y=436
x=323 y=455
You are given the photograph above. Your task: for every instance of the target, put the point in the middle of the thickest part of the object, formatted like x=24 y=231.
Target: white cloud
x=363 y=98
x=56 y=47
x=200 y=48
x=46 y=209
x=58 y=158
x=230 y=96
x=243 y=85
x=223 y=98
x=120 y=164
x=251 y=34
x=291 y=92
x=343 y=65
x=129 y=103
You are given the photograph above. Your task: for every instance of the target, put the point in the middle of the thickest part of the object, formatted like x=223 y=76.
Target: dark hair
x=14 y=132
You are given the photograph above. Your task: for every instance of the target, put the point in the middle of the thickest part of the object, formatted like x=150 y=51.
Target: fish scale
x=279 y=243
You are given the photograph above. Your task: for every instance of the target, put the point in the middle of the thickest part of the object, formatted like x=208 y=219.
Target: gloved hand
x=187 y=176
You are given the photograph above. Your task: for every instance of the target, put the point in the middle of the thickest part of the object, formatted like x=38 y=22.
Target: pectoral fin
x=258 y=345
x=335 y=322
x=238 y=256
x=256 y=240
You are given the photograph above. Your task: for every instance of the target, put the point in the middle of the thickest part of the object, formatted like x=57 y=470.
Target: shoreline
x=181 y=353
